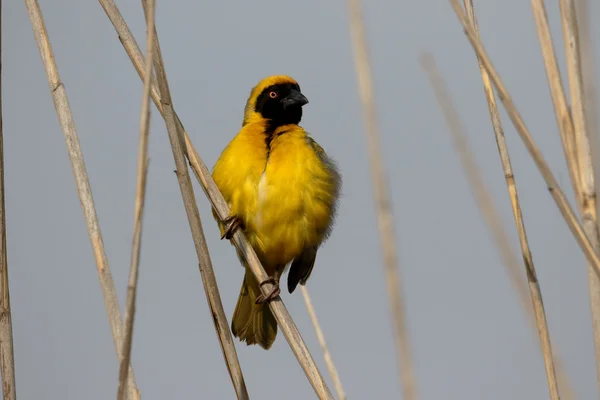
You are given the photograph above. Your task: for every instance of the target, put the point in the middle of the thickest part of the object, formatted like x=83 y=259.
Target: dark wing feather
x=301 y=268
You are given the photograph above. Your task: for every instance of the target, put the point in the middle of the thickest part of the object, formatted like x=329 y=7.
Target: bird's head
x=277 y=99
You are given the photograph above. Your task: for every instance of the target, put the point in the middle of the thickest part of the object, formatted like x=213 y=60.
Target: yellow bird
x=282 y=190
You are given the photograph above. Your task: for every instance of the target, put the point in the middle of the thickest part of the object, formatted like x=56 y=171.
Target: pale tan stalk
x=140 y=199
x=288 y=328
x=534 y=287
x=569 y=140
x=555 y=191
x=189 y=200
x=337 y=383
x=559 y=99
x=491 y=215
x=84 y=190
x=7 y=355
x=588 y=68
x=385 y=219
x=587 y=196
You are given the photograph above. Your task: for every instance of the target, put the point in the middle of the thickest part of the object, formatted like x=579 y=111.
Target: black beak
x=294 y=98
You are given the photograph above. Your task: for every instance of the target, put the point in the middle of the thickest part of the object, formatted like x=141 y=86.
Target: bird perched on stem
x=282 y=190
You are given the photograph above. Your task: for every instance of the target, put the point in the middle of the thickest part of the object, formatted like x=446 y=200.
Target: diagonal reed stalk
x=486 y=203
x=534 y=287
x=7 y=355
x=288 y=328
x=140 y=198
x=189 y=200
x=587 y=194
x=337 y=383
x=572 y=146
x=385 y=218
x=65 y=117
x=555 y=191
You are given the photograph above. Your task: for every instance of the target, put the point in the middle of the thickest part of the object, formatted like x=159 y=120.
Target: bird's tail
x=253 y=323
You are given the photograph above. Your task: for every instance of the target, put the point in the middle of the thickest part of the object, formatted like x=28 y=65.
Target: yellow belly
x=288 y=219
x=287 y=205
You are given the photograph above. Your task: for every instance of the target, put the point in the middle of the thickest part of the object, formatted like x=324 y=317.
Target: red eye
x=273 y=95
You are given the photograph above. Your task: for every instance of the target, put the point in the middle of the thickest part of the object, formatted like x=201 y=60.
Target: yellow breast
x=285 y=194
x=296 y=196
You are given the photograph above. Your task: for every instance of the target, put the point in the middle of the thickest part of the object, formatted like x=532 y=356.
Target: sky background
x=470 y=337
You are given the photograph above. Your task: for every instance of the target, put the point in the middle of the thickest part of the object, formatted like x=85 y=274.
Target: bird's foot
x=275 y=291
x=232 y=224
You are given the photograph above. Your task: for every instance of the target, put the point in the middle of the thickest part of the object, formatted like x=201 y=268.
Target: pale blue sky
x=470 y=338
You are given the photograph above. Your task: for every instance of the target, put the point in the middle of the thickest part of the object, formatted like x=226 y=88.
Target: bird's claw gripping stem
x=275 y=291
x=232 y=224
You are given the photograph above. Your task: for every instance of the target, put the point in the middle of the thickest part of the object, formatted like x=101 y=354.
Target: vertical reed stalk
x=534 y=286
x=7 y=356
x=588 y=68
x=189 y=201
x=65 y=117
x=587 y=196
x=385 y=219
x=140 y=199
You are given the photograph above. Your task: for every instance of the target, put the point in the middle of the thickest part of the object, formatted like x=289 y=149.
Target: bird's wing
x=301 y=268
x=329 y=164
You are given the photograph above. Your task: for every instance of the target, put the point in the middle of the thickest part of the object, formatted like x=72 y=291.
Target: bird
x=282 y=190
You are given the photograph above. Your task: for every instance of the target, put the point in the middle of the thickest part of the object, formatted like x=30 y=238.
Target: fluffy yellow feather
x=282 y=190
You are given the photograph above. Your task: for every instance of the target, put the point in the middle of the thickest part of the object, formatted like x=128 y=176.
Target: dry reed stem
x=288 y=328
x=337 y=383
x=476 y=182
x=588 y=67
x=189 y=200
x=385 y=218
x=84 y=190
x=140 y=198
x=559 y=99
x=7 y=356
x=489 y=212
x=587 y=197
x=534 y=286
x=553 y=187
x=567 y=134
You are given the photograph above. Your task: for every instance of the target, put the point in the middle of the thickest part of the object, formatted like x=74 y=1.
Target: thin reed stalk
x=569 y=141
x=140 y=199
x=337 y=383
x=288 y=328
x=534 y=286
x=555 y=191
x=385 y=219
x=587 y=197
x=559 y=99
x=189 y=200
x=65 y=117
x=7 y=355
x=588 y=68
x=486 y=203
